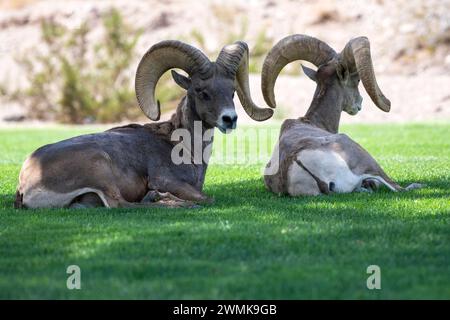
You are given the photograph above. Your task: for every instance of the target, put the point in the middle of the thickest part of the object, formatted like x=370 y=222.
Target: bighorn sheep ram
x=131 y=166
x=311 y=156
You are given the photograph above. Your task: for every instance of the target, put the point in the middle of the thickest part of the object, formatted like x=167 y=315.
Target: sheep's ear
x=310 y=73
x=181 y=80
x=342 y=73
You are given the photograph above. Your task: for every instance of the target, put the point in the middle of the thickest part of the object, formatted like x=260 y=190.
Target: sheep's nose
x=229 y=120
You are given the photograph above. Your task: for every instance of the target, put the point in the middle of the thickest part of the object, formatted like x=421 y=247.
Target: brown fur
x=126 y=163
x=318 y=130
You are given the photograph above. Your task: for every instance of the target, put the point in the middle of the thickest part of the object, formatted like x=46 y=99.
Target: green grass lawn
x=250 y=244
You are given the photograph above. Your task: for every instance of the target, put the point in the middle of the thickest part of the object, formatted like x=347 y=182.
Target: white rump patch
x=300 y=182
x=328 y=166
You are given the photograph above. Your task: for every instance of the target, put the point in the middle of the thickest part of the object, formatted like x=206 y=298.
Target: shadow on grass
x=185 y=254
x=252 y=192
x=250 y=244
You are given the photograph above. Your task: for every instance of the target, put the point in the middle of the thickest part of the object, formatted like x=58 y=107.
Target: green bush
x=74 y=79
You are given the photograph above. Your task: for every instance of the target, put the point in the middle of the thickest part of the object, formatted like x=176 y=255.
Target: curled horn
x=234 y=59
x=158 y=59
x=291 y=48
x=356 y=57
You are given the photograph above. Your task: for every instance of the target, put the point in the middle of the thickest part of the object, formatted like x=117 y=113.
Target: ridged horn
x=291 y=48
x=158 y=59
x=356 y=57
x=234 y=59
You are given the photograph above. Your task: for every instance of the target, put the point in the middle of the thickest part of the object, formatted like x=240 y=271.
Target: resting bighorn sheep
x=131 y=166
x=311 y=157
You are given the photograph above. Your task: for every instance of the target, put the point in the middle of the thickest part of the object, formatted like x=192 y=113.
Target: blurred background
x=75 y=61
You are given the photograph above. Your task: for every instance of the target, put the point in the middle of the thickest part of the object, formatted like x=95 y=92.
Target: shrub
x=75 y=79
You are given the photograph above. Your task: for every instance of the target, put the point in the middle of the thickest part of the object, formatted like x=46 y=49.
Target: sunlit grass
x=250 y=243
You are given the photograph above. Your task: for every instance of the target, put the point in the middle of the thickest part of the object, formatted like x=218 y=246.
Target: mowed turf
x=249 y=244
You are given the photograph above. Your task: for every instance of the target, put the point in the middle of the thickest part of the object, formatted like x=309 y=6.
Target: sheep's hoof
x=179 y=204
x=370 y=184
x=414 y=186
x=151 y=196
x=361 y=189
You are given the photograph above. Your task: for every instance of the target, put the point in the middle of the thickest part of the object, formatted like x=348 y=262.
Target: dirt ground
x=410 y=43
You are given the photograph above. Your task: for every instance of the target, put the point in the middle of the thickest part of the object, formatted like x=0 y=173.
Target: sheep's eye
x=204 y=96
x=232 y=96
x=356 y=78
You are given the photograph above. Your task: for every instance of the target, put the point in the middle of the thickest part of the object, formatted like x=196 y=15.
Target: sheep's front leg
x=180 y=189
x=166 y=198
x=362 y=189
x=368 y=185
x=153 y=199
x=151 y=196
x=187 y=192
x=179 y=182
x=162 y=203
x=166 y=204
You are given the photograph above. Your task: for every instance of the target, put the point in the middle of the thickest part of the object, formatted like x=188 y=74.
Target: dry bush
x=73 y=79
